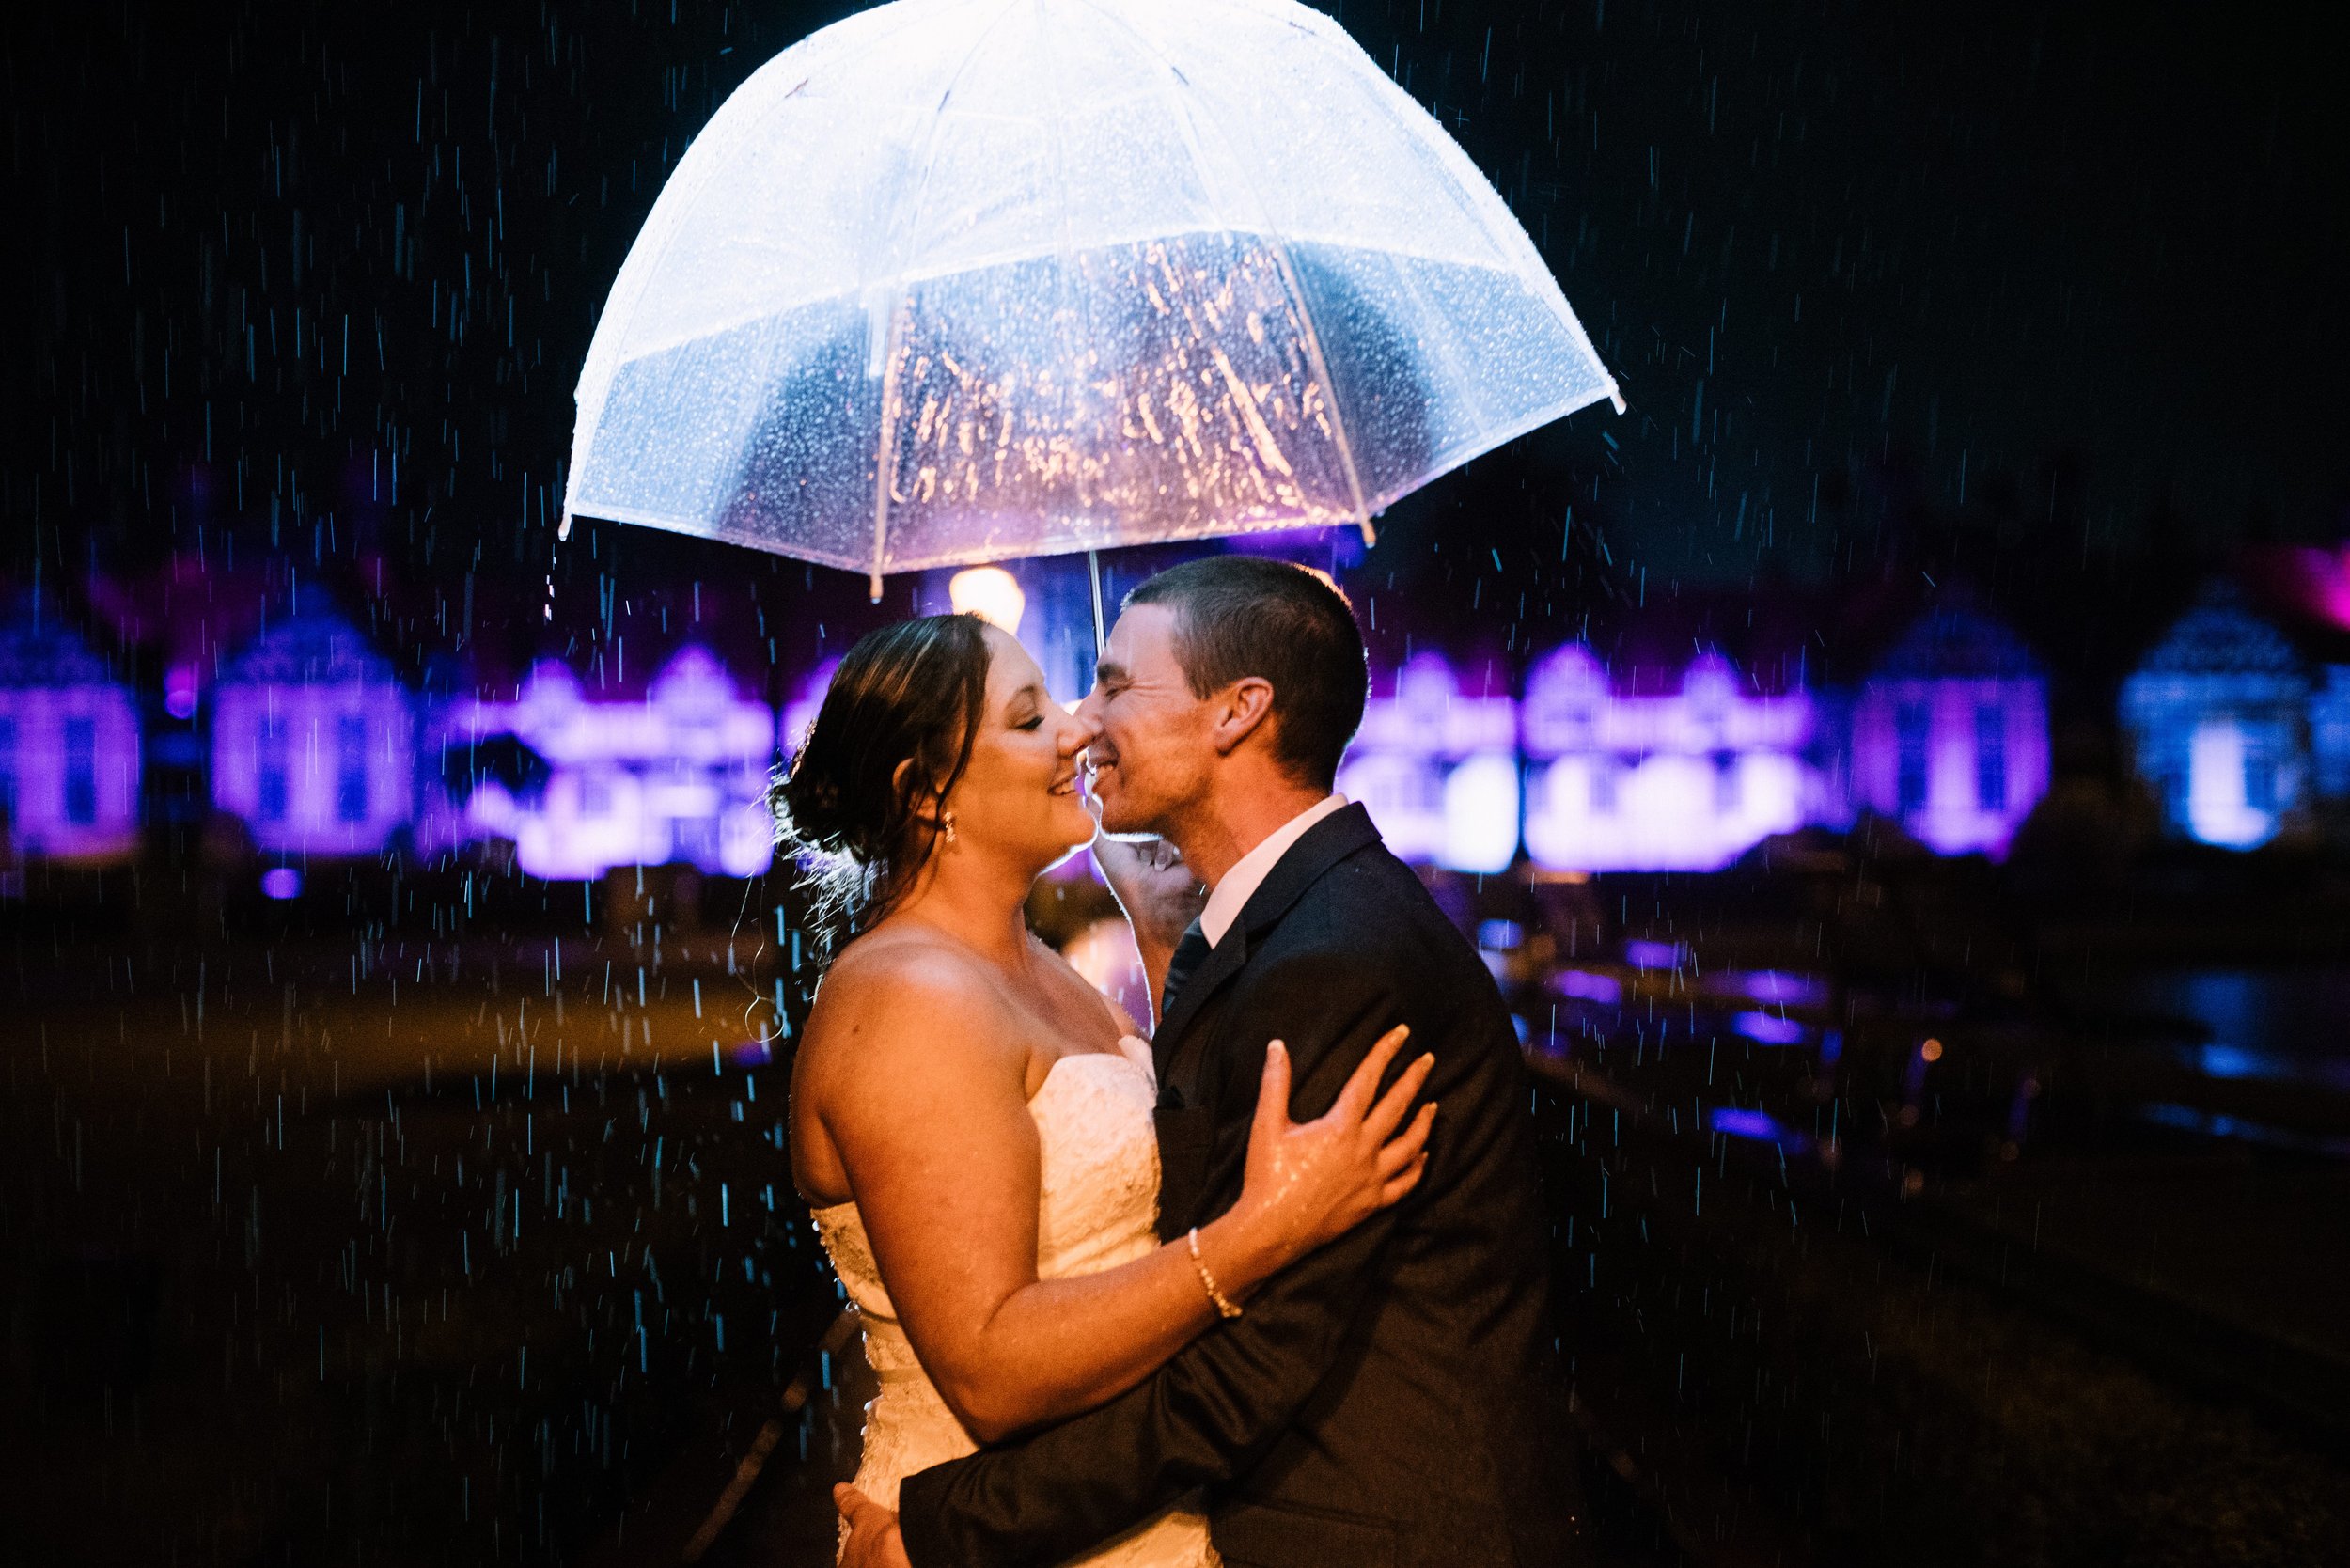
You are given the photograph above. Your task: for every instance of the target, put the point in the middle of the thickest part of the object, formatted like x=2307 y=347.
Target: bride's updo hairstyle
x=913 y=691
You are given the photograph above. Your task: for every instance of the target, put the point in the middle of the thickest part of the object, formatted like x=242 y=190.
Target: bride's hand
x=1309 y=1183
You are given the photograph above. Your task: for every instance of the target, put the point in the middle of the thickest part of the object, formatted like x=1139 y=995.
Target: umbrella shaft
x=1093 y=573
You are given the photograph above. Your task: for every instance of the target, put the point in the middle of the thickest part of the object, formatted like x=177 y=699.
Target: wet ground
x=478 y=1252
x=301 y=1273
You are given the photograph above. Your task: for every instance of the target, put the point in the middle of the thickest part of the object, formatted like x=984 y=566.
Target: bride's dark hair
x=914 y=692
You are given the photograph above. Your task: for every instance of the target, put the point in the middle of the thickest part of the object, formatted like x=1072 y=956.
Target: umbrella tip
x=1615 y=397
x=874 y=587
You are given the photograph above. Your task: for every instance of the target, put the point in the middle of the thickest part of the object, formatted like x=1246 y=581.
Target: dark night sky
x=1846 y=259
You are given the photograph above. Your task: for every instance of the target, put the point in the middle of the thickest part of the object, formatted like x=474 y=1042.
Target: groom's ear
x=1241 y=709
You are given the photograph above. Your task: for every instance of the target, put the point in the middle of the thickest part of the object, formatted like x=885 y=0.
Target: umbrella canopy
x=963 y=281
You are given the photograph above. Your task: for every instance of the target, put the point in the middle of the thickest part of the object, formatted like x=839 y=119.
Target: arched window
x=1991 y=756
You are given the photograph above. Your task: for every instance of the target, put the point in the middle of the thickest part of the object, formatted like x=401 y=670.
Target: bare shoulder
x=891 y=997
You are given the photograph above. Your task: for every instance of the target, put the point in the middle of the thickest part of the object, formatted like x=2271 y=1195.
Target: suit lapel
x=1321 y=846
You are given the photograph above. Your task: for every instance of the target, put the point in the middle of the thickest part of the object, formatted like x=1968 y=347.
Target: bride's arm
x=925 y=1099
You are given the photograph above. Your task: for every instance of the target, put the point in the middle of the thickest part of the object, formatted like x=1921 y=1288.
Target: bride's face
x=1022 y=795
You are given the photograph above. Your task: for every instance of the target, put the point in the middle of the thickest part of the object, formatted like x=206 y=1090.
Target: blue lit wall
x=2329 y=733
x=314 y=741
x=69 y=745
x=2217 y=720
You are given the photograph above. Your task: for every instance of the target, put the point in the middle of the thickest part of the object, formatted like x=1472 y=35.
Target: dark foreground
x=273 y=1298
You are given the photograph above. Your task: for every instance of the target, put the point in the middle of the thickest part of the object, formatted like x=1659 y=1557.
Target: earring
x=947 y=826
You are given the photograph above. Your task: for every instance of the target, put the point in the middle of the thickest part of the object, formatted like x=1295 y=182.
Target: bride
x=972 y=1121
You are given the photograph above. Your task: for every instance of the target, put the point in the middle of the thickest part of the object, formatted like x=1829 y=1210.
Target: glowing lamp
x=991 y=593
x=281 y=882
x=179 y=691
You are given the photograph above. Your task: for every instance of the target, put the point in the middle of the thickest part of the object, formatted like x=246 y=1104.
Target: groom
x=1388 y=1400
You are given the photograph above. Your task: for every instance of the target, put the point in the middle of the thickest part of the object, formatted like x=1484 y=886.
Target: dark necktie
x=1189 y=953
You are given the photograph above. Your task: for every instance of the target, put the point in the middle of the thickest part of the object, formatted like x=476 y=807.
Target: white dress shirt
x=1249 y=872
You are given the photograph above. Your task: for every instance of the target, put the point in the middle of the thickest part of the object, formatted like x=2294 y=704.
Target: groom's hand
x=873 y=1539
x=1159 y=894
x=1156 y=889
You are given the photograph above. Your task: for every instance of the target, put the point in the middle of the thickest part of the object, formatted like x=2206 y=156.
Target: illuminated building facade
x=2217 y=717
x=678 y=775
x=69 y=745
x=314 y=741
x=1437 y=768
x=2329 y=733
x=1949 y=736
x=1681 y=780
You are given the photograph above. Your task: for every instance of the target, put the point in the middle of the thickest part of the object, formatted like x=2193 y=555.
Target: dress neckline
x=1141 y=1062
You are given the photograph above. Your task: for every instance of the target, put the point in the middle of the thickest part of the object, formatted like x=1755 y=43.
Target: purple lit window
x=1909 y=741
x=1991 y=756
x=81 y=771
x=351 y=768
x=8 y=767
x=269 y=802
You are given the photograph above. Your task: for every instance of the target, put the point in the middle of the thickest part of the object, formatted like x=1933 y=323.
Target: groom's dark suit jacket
x=1388 y=1400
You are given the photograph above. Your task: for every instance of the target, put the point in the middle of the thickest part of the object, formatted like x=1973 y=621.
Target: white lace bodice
x=1097 y=1204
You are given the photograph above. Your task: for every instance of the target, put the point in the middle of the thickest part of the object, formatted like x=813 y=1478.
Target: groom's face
x=1154 y=757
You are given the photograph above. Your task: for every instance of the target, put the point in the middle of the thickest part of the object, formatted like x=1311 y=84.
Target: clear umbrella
x=963 y=280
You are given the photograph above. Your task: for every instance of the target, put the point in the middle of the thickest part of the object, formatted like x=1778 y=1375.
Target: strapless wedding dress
x=1099 y=1201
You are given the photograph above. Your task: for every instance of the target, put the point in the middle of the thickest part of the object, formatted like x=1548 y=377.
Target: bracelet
x=1224 y=1304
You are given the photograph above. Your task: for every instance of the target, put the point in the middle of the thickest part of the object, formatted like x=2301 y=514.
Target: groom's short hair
x=1238 y=616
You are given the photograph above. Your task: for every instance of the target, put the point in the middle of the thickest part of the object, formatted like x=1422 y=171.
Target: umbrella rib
x=902 y=305
x=1458 y=183
x=1276 y=240
x=708 y=166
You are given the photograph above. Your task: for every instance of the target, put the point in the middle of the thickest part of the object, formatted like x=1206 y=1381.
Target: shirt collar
x=1249 y=872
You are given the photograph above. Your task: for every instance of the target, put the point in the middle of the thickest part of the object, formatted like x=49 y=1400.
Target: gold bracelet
x=1224 y=1304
